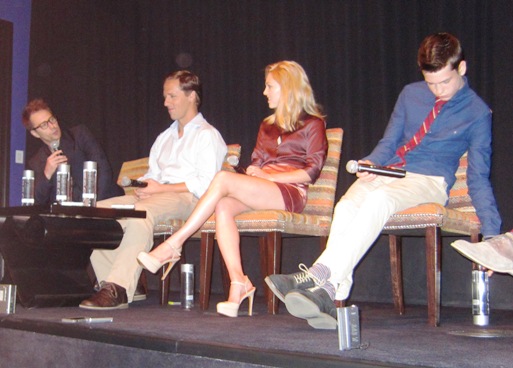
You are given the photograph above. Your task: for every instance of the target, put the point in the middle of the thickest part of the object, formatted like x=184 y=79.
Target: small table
x=46 y=250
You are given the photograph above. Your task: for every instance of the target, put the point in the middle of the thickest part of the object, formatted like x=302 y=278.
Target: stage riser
x=35 y=350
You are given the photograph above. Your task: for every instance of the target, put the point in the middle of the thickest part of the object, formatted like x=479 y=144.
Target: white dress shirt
x=193 y=159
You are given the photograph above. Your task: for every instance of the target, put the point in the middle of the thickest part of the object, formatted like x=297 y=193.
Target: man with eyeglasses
x=72 y=146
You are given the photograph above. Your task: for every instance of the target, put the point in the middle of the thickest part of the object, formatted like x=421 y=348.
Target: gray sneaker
x=280 y=285
x=314 y=305
x=495 y=254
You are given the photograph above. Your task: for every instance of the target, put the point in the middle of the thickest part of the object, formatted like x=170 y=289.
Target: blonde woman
x=289 y=154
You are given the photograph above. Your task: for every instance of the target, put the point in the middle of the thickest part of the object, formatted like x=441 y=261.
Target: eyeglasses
x=44 y=124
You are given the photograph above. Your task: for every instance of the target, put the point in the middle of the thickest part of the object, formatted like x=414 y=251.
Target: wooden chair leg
x=433 y=273
x=225 y=278
x=396 y=270
x=164 y=284
x=323 y=240
x=164 y=288
x=340 y=303
x=143 y=281
x=264 y=267
x=274 y=243
x=205 y=274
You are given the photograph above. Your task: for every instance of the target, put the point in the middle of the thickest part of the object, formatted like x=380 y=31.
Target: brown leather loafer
x=110 y=296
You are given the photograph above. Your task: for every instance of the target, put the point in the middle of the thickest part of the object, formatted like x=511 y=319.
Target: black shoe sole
x=301 y=307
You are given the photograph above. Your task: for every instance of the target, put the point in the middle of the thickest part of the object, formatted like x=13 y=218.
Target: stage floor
x=265 y=340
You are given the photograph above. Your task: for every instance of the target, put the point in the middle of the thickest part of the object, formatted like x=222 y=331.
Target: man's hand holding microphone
x=367 y=171
x=54 y=160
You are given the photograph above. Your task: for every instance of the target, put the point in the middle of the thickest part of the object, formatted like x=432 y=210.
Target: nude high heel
x=152 y=264
x=231 y=309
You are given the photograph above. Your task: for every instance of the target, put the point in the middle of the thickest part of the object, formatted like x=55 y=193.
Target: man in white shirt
x=182 y=162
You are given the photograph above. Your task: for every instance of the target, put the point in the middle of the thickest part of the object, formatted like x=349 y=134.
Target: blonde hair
x=296 y=95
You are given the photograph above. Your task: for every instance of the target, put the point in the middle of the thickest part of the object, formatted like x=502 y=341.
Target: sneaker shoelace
x=307 y=275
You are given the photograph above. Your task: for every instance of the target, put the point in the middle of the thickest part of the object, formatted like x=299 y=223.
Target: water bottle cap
x=64 y=168
x=187 y=267
x=89 y=165
x=28 y=174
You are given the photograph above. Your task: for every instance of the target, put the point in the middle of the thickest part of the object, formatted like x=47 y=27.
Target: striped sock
x=323 y=273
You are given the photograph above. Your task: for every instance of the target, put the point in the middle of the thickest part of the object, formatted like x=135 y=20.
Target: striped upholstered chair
x=165 y=226
x=432 y=221
x=271 y=225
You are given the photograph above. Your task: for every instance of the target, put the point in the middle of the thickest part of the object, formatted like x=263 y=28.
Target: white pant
x=120 y=265
x=362 y=212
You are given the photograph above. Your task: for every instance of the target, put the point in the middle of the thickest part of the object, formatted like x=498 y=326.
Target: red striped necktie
x=417 y=138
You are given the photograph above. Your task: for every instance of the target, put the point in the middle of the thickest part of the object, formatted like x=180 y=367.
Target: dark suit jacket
x=79 y=145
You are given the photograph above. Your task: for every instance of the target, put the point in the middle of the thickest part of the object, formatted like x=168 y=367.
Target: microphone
x=353 y=167
x=234 y=162
x=55 y=145
x=127 y=182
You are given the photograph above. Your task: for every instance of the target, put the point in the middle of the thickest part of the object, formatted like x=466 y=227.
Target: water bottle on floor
x=480 y=296
x=187 y=286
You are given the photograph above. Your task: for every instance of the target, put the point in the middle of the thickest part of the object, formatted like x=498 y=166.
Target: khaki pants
x=361 y=214
x=120 y=265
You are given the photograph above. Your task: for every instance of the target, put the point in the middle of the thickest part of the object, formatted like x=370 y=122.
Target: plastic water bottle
x=27 y=188
x=89 y=184
x=63 y=183
x=187 y=286
x=480 y=296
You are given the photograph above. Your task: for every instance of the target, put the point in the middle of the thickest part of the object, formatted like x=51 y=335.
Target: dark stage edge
x=170 y=336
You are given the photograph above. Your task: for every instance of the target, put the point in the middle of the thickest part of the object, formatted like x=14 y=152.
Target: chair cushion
x=459 y=216
x=276 y=220
x=167 y=226
x=433 y=214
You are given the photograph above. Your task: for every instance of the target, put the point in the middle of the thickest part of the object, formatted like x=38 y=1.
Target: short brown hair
x=438 y=50
x=32 y=107
x=188 y=82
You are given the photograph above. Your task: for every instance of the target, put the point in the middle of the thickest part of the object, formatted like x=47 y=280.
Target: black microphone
x=55 y=145
x=234 y=162
x=127 y=182
x=353 y=167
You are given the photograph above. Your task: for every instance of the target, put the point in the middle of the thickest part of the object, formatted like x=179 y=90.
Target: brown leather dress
x=277 y=151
